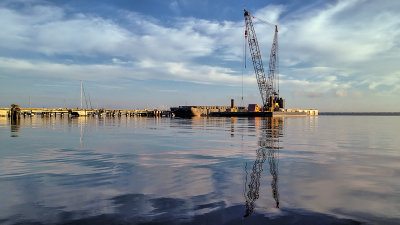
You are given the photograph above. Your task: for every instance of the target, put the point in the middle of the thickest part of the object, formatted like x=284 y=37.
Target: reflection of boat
x=15 y=126
x=73 y=113
x=268 y=149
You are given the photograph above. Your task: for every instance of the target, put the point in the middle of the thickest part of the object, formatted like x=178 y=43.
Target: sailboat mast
x=81 y=94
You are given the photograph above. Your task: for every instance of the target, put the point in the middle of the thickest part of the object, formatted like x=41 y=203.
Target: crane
x=269 y=87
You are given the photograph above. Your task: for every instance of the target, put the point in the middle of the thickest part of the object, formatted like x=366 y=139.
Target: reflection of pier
x=271 y=130
x=48 y=112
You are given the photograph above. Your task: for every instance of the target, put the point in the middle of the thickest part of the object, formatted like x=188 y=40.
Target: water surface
x=297 y=170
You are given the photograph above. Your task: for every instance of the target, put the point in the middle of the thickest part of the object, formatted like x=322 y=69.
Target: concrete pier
x=49 y=112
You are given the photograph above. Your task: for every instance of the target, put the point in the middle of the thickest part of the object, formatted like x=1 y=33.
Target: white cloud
x=355 y=42
x=141 y=70
x=180 y=71
x=148 y=51
x=342 y=34
x=26 y=68
x=47 y=30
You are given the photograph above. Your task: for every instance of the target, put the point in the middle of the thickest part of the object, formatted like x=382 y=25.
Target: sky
x=334 y=55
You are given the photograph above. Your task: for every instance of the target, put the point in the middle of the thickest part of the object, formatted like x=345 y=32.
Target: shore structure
x=61 y=112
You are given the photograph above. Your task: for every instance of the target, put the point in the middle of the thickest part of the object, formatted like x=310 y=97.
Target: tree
x=14 y=106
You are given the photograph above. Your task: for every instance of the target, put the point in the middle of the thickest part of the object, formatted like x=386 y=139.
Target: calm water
x=317 y=170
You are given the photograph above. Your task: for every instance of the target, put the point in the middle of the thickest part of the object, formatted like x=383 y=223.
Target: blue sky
x=334 y=55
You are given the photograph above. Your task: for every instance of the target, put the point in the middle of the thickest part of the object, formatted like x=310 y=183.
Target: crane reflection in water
x=268 y=150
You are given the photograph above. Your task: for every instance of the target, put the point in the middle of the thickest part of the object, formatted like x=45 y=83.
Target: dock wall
x=309 y=112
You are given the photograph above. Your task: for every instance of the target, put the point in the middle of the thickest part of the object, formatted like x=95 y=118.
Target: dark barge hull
x=256 y=114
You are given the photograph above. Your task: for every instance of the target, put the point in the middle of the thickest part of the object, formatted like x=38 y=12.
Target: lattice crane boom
x=251 y=37
x=267 y=85
x=273 y=65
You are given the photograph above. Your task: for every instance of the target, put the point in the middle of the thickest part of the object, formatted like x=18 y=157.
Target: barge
x=227 y=111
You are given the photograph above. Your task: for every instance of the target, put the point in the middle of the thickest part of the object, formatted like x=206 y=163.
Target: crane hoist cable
x=264 y=21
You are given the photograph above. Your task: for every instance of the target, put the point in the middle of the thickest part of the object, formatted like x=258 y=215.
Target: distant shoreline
x=359 y=113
